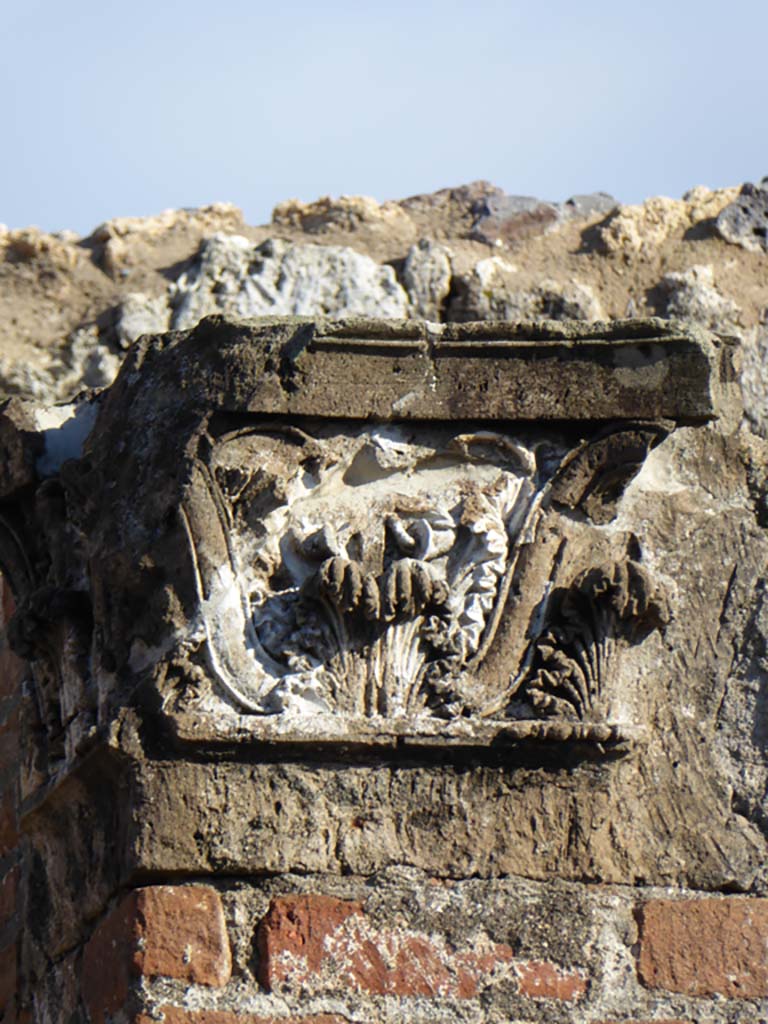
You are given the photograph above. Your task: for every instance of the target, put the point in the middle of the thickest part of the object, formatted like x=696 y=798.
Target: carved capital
x=346 y=533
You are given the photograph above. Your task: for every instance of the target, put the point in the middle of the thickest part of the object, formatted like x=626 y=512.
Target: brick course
x=329 y=946
x=705 y=947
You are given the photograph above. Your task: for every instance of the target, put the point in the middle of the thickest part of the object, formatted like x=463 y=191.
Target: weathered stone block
x=394 y=584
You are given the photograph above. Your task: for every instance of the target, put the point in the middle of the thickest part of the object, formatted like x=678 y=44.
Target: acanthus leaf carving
x=340 y=529
x=588 y=622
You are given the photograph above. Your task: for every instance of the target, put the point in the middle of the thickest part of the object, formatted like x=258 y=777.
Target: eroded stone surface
x=427 y=276
x=493 y=292
x=744 y=221
x=347 y=212
x=692 y=295
x=640 y=229
x=68 y=305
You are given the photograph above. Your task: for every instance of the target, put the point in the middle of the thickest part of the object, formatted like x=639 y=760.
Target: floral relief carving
x=587 y=624
x=376 y=573
x=359 y=533
x=367 y=571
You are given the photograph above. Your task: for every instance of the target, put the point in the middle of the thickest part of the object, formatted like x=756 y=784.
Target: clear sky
x=129 y=108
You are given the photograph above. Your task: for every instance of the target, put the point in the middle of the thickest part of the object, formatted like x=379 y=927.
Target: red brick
x=705 y=947
x=324 y=945
x=9 y=832
x=176 y=1015
x=542 y=980
x=184 y=933
x=174 y=931
x=298 y=925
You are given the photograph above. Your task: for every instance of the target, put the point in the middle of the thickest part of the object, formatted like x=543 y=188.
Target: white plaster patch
x=65 y=429
x=657 y=475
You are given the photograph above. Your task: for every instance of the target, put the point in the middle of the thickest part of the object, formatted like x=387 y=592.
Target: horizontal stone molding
x=405 y=370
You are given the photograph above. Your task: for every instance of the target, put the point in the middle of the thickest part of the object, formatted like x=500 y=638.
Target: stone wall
x=385 y=673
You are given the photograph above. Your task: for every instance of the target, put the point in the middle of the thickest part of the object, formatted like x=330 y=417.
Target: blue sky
x=128 y=108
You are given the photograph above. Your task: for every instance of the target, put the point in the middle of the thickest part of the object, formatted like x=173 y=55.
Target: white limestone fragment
x=427 y=275
x=233 y=276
